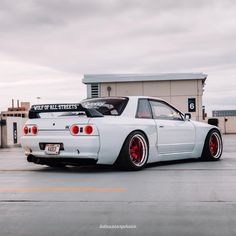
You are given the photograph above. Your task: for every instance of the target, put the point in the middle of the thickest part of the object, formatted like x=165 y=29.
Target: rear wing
x=35 y=110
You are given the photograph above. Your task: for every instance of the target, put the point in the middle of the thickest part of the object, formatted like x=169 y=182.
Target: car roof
x=130 y=97
x=148 y=97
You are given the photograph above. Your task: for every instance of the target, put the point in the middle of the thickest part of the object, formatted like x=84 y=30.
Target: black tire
x=213 y=146
x=134 y=153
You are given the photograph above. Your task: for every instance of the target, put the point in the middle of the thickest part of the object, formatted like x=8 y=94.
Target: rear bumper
x=75 y=147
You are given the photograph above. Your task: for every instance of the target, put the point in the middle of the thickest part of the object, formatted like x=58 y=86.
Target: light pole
x=38 y=99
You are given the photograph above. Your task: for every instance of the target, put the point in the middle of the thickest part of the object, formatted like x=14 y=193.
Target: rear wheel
x=213 y=146
x=134 y=153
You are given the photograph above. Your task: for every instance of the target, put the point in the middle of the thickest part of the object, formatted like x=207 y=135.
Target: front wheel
x=134 y=153
x=213 y=146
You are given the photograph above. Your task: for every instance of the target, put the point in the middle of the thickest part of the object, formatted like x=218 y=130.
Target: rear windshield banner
x=55 y=107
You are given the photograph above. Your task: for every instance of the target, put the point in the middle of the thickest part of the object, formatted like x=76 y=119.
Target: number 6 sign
x=192 y=105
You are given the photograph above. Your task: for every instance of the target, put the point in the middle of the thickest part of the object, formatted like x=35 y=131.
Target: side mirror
x=187 y=116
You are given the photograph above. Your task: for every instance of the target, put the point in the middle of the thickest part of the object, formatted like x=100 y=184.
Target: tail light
x=74 y=129
x=34 y=130
x=88 y=129
x=30 y=130
x=25 y=130
x=81 y=129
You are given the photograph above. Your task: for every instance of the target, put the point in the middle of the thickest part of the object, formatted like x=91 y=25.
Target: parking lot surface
x=174 y=198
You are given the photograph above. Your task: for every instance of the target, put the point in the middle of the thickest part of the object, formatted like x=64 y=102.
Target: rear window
x=107 y=106
x=144 y=109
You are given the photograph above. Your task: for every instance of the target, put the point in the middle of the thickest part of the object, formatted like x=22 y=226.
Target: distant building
x=223 y=113
x=184 y=90
x=226 y=120
x=12 y=122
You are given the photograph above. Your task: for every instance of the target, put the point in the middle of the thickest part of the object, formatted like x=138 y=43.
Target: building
x=183 y=90
x=12 y=122
x=223 y=113
x=226 y=120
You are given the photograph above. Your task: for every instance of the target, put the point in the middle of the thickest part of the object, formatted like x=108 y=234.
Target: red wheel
x=213 y=146
x=138 y=150
x=134 y=153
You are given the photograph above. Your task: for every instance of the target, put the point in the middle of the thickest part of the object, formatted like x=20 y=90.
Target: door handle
x=161 y=126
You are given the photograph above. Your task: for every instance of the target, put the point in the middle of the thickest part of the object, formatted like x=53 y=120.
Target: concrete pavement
x=180 y=198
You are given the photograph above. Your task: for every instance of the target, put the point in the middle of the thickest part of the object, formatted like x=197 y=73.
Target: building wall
x=174 y=92
x=7 y=131
x=0 y=136
x=227 y=125
x=230 y=125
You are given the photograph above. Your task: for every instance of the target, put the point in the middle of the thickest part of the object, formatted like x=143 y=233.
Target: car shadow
x=80 y=169
x=108 y=168
x=169 y=163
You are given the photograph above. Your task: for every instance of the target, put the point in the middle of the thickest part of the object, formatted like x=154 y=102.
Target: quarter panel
x=113 y=132
x=202 y=130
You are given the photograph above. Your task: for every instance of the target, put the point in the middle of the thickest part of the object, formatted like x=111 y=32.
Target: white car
x=127 y=131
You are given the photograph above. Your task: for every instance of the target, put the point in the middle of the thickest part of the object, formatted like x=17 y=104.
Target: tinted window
x=144 y=110
x=163 y=111
x=107 y=106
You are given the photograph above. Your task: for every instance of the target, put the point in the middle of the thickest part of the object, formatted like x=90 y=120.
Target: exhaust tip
x=30 y=158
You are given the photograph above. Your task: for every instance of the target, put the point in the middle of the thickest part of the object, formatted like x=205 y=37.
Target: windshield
x=106 y=106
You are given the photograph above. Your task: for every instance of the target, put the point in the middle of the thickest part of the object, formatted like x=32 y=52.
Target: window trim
x=150 y=108
x=166 y=103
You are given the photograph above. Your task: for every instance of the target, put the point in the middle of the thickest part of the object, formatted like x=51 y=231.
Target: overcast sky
x=47 y=45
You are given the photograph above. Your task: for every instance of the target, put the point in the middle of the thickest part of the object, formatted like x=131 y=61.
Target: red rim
x=136 y=150
x=214 y=145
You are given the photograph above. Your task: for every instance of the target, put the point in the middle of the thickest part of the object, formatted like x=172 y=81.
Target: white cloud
x=26 y=81
x=46 y=46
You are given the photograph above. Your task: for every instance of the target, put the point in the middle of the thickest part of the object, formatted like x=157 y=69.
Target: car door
x=175 y=135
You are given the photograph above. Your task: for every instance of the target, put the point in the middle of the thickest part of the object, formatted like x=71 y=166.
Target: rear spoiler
x=35 y=110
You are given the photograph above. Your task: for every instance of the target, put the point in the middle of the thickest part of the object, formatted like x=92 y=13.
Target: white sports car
x=126 y=131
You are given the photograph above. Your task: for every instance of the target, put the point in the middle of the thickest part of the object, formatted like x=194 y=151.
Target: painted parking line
x=63 y=189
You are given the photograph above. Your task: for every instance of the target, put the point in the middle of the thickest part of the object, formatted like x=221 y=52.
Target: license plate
x=52 y=149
